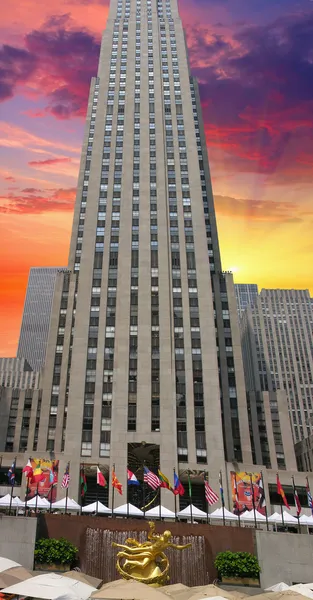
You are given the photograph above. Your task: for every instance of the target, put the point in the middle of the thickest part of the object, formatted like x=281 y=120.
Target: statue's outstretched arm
x=177 y=547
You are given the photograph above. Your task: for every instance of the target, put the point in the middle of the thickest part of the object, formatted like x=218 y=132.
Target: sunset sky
x=254 y=62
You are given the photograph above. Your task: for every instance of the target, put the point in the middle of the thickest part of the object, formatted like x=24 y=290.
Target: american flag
x=210 y=496
x=151 y=479
x=66 y=477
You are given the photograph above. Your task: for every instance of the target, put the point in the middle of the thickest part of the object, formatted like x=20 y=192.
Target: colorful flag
x=66 y=477
x=100 y=478
x=210 y=496
x=262 y=500
x=164 y=482
x=221 y=489
x=151 y=479
x=235 y=493
x=11 y=473
x=28 y=470
x=178 y=486
x=116 y=484
x=52 y=477
x=131 y=478
x=281 y=492
x=308 y=492
x=38 y=474
x=296 y=497
x=83 y=483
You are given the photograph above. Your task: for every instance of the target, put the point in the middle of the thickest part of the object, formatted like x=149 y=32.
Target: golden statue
x=146 y=562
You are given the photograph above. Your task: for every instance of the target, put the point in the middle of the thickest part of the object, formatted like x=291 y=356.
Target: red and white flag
x=66 y=477
x=151 y=479
x=28 y=470
x=101 y=480
x=210 y=496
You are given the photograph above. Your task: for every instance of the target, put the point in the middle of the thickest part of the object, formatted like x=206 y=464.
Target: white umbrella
x=70 y=505
x=158 y=511
x=41 y=503
x=218 y=514
x=51 y=586
x=192 y=511
x=278 y=587
x=96 y=507
x=7 y=563
x=128 y=510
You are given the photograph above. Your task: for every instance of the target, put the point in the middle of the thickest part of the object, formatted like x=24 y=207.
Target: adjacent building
x=277 y=341
x=246 y=293
x=17 y=373
x=36 y=316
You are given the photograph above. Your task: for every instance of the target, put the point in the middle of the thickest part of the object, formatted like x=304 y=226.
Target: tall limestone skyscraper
x=144 y=360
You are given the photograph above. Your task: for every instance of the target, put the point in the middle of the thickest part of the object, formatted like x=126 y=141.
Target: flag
x=221 y=489
x=11 y=473
x=131 y=478
x=52 y=477
x=28 y=470
x=38 y=474
x=164 y=482
x=116 y=484
x=151 y=479
x=210 y=496
x=83 y=483
x=189 y=487
x=100 y=478
x=66 y=477
x=262 y=500
x=178 y=486
x=281 y=492
x=296 y=497
x=236 y=493
x=310 y=501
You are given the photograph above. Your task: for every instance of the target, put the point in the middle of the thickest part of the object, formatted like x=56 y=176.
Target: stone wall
x=284 y=557
x=17 y=539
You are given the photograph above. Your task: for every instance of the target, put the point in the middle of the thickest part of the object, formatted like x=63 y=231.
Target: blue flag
x=11 y=474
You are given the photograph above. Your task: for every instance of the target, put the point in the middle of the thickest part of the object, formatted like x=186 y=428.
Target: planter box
x=247 y=581
x=52 y=567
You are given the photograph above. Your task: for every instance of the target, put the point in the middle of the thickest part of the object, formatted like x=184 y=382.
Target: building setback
x=277 y=338
x=245 y=295
x=36 y=316
x=144 y=359
x=17 y=373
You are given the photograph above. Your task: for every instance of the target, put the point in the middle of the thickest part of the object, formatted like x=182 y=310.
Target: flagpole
x=36 y=502
x=294 y=494
x=222 y=496
x=206 y=477
x=160 y=511
x=12 y=486
x=175 y=495
x=190 y=497
x=81 y=476
x=253 y=503
x=66 y=494
x=51 y=488
x=237 y=501
x=143 y=490
x=97 y=492
x=127 y=501
x=266 y=515
x=113 y=492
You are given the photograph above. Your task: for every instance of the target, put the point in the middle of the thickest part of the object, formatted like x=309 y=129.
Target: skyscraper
x=144 y=358
x=36 y=316
x=277 y=335
x=245 y=295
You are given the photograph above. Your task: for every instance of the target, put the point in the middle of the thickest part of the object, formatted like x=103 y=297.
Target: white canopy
x=5 y=501
x=303 y=589
x=71 y=504
x=218 y=514
x=160 y=510
x=288 y=519
x=192 y=511
x=249 y=516
x=51 y=586
x=306 y=520
x=41 y=503
x=96 y=507
x=7 y=563
x=128 y=510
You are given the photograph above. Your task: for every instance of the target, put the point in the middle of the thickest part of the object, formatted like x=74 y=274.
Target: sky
x=254 y=63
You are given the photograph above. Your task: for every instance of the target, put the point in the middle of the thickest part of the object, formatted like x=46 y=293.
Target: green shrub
x=57 y=552
x=237 y=564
